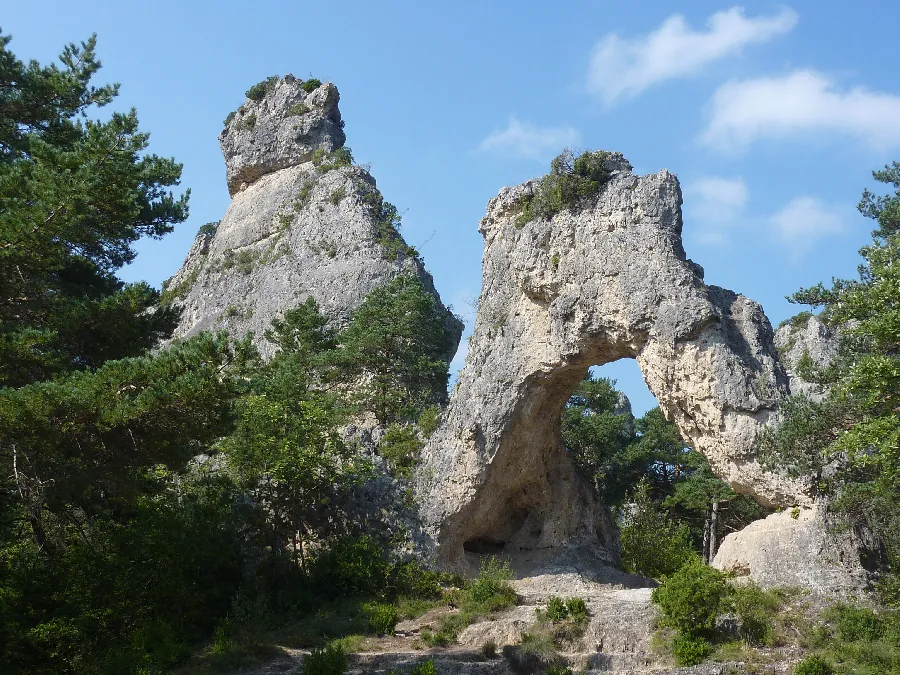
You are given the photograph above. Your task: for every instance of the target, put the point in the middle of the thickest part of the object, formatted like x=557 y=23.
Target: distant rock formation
x=806 y=335
x=303 y=222
x=587 y=287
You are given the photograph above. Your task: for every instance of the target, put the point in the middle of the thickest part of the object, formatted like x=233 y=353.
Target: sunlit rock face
x=294 y=228
x=592 y=285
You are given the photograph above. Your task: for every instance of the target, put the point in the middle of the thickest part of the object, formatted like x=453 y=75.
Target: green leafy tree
x=396 y=347
x=857 y=426
x=285 y=447
x=75 y=194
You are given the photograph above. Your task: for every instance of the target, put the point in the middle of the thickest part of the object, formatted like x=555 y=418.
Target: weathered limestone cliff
x=609 y=280
x=303 y=222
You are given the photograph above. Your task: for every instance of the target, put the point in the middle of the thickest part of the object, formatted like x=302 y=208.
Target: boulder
x=805 y=548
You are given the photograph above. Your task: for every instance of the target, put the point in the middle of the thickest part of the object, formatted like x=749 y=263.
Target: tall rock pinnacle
x=303 y=221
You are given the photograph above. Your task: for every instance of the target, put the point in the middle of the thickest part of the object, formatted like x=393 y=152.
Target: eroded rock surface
x=593 y=285
x=294 y=228
x=805 y=335
x=802 y=548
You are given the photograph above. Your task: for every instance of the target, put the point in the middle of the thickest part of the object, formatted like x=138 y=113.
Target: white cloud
x=801 y=102
x=622 y=68
x=525 y=140
x=803 y=220
x=716 y=200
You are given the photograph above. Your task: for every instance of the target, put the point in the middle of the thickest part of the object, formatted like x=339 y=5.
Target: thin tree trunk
x=714 y=531
x=706 y=525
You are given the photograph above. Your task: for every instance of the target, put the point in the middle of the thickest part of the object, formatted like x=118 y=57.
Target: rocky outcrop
x=302 y=222
x=805 y=335
x=589 y=286
x=802 y=548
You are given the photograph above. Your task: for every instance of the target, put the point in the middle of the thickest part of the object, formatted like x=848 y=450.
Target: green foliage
x=577 y=609
x=814 y=665
x=535 y=653
x=571 y=180
x=248 y=122
x=328 y=161
x=756 y=609
x=691 y=598
x=386 y=220
x=489 y=593
x=310 y=85
x=329 y=660
x=652 y=543
x=424 y=668
x=298 y=109
x=400 y=445
x=259 y=90
x=556 y=609
x=690 y=650
x=338 y=195
x=859 y=420
x=429 y=420
x=208 y=230
x=396 y=344
x=229 y=117
x=76 y=195
x=382 y=618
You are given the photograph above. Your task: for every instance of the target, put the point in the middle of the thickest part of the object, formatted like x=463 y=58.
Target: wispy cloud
x=804 y=220
x=713 y=204
x=528 y=141
x=622 y=68
x=803 y=101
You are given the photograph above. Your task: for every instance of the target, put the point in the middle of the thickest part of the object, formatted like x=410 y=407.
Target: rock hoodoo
x=303 y=221
x=589 y=286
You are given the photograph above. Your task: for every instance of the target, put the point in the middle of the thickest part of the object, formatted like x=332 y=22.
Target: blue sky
x=772 y=116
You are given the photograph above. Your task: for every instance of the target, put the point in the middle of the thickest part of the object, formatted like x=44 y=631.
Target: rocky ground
x=618 y=639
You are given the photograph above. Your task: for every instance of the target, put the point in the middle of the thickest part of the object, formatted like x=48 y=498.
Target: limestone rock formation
x=302 y=222
x=592 y=285
x=805 y=334
x=802 y=548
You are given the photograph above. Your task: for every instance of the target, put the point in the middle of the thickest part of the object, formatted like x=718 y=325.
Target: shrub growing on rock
x=571 y=179
x=690 y=650
x=259 y=90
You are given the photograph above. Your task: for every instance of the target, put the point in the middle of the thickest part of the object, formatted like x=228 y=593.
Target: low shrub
x=577 y=609
x=814 y=665
x=329 y=660
x=856 y=623
x=310 y=85
x=756 y=610
x=400 y=446
x=429 y=420
x=535 y=653
x=259 y=90
x=382 y=618
x=690 y=599
x=690 y=650
x=556 y=610
x=571 y=180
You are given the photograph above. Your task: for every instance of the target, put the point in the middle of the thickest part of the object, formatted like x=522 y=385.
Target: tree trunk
x=706 y=525
x=714 y=531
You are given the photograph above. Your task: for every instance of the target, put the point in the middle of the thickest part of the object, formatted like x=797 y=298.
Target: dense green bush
x=571 y=180
x=653 y=544
x=690 y=650
x=556 y=609
x=814 y=665
x=756 y=609
x=400 y=445
x=329 y=660
x=691 y=598
x=382 y=618
x=310 y=85
x=259 y=90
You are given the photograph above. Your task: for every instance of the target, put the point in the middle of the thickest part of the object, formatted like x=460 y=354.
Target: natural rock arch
x=591 y=286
